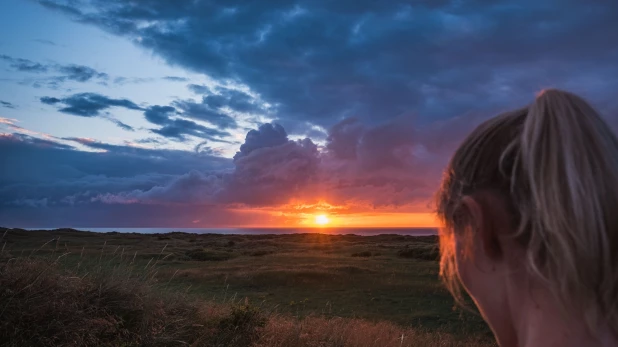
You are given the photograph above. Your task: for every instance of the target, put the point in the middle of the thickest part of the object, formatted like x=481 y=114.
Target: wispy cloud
x=174 y=127
x=88 y=104
x=24 y=65
x=7 y=104
x=9 y=121
x=175 y=79
x=71 y=72
x=45 y=42
x=173 y=124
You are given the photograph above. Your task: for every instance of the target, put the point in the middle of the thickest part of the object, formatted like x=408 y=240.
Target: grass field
x=328 y=285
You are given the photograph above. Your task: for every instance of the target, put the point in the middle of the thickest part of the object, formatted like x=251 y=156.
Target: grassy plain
x=310 y=289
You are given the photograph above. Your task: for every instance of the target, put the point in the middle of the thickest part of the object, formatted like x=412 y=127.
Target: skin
x=520 y=311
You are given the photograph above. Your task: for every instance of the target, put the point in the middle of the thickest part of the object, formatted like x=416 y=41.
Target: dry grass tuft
x=347 y=332
x=42 y=306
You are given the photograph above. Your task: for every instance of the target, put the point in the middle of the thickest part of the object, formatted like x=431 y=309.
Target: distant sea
x=265 y=231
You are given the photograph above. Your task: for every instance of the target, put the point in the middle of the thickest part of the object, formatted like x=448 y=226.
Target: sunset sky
x=173 y=113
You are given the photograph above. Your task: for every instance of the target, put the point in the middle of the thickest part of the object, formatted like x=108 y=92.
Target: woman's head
x=535 y=191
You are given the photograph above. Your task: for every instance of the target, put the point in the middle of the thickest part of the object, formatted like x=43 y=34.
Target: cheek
x=483 y=286
x=463 y=263
x=475 y=281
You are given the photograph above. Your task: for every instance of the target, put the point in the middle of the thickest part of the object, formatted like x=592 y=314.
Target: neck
x=537 y=321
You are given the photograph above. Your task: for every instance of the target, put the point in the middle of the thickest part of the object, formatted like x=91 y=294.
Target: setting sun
x=321 y=219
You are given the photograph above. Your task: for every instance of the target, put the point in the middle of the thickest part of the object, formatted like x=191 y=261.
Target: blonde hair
x=555 y=163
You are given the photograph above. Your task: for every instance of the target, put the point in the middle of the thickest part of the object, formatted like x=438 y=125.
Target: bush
x=241 y=327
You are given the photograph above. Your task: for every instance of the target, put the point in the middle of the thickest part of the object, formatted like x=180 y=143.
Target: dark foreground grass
x=213 y=290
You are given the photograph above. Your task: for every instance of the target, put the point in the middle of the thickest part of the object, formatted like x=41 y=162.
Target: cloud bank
x=360 y=168
x=319 y=61
x=368 y=101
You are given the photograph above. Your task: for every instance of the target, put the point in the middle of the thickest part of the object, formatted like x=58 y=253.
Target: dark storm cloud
x=62 y=175
x=235 y=99
x=344 y=138
x=203 y=147
x=59 y=185
x=213 y=104
x=323 y=61
x=391 y=164
x=268 y=135
x=265 y=173
x=194 y=187
x=7 y=104
x=396 y=84
x=199 y=89
x=88 y=104
x=119 y=161
x=394 y=163
x=92 y=105
x=159 y=115
x=302 y=129
x=171 y=122
x=204 y=112
x=12 y=140
x=49 y=100
x=272 y=174
x=177 y=128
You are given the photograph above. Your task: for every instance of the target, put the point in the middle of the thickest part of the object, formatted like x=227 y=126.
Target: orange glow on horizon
x=321 y=220
x=389 y=220
x=324 y=215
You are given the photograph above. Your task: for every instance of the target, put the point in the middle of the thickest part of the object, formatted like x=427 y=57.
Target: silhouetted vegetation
x=72 y=288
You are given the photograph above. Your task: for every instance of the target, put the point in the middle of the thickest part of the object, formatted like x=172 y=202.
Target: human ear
x=483 y=223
